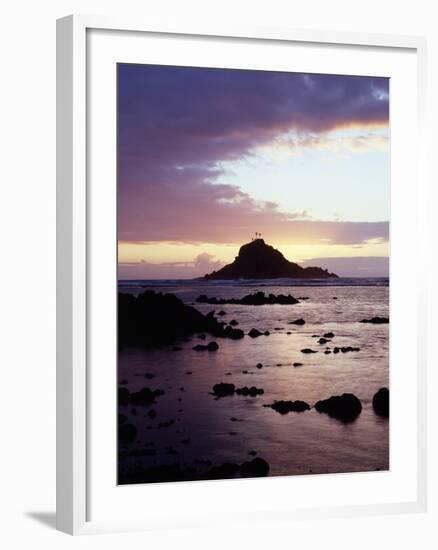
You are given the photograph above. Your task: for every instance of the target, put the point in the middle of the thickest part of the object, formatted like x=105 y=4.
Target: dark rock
x=149 y=376
x=327 y=352
x=234 y=323
x=381 y=402
x=177 y=348
x=252 y=453
x=284 y=407
x=376 y=320
x=251 y=392
x=308 y=350
x=222 y=312
x=155 y=319
x=122 y=418
x=189 y=372
x=145 y=396
x=212 y=346
x=202 y=336
x=254 y=468
x=199 y=347
x=336 y=350
x=266 y=333
x=257 y=260
x=152 y=413
x=346 y=349
x=233 y=333
x=345 y=407
x=328 y=335
x=322 y=341
x=254 y=333
x=259 y=366
x=127 y=433
x=256 y=299
x=298 y=322
x=123 y=383
x=298 y=364
x=222 y=389
x=123 y=396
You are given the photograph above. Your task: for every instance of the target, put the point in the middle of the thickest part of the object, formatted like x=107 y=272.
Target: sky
x=207 y=157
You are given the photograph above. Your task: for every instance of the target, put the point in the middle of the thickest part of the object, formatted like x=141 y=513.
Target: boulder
x=254 y=468
x=127 y=433
x=145 y=397
x=346 y=407
x=254 y=333
x=222 y=389
x=381 y=402
x=376 y=320
x=284 y=407
x=308 y=350
x=298 y=322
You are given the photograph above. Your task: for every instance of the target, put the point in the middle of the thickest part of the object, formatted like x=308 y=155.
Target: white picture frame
x=73 y=298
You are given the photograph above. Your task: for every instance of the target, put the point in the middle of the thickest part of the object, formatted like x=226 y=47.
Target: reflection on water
x=228 y=429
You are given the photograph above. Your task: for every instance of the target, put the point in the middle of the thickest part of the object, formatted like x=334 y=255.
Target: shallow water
x=295 y=443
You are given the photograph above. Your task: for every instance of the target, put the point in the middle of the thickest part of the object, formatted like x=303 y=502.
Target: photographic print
x=253 y=273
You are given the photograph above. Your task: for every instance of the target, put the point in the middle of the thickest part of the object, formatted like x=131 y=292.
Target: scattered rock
x=254 y=333
x=308 y=350
x=222 y=312
x=233 y=323
x=328 y=335
x=322 y=341
x=123 y=396
x=222 y=389
x=127 y=433
x=284 y=407
x=152 y=413
x=381 y=402
x=298 y=322
x=145 y=397
x=155 y=319
x=259 y=365
x=256 y=299
x=297 y=364
x=177 y=348
x=254 y=468
x=345 y=407
x=251 y=392
x=376 y=320
x=211 y=346
x=266 y=333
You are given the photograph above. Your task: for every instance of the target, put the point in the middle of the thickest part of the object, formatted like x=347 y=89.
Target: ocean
x=193 y=429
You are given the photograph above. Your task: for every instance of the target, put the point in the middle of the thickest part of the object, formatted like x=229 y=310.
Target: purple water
x=296 y=443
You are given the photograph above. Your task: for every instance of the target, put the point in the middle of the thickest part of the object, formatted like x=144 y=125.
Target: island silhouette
x=258 y=260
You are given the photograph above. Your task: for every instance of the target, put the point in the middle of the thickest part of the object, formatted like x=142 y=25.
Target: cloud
x=177 y=125
x=364 y=266
x=199 y=266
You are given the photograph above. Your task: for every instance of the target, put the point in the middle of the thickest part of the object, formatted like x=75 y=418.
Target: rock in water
x=256 y=299
x=127 y=433
x=345 y=407
x=284 y=407
x=376 y=320
x=155 y=319
x=381 y=402
x=222 y=389
x=258 y=260
x=254 y=468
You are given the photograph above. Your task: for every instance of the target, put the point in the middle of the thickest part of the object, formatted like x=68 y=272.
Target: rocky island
x=258 y=260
